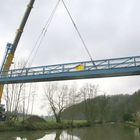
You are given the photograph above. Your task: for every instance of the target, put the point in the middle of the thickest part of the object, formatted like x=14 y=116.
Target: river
x=99 y=132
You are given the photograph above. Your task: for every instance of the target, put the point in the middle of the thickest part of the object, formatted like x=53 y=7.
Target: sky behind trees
x=110 y=29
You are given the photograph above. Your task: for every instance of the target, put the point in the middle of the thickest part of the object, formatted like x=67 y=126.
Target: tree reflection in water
x=59 y=135
x=18 y=138
x=137 y=132
x=98 y=132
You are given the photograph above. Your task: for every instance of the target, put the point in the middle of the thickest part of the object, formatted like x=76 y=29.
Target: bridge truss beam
x=126 y=66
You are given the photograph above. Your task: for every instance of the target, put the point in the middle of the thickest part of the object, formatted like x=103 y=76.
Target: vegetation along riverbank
x=92 y=109
x=37 y=123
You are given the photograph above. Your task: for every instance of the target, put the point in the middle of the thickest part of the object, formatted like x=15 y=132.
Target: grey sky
x=110 y=29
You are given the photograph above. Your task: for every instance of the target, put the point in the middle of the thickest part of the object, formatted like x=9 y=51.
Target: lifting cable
x=45 y=29
x=40 y=38
x=78 y=32
x=42 y=34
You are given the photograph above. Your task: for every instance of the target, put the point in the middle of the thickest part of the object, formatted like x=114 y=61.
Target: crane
x=11 y=48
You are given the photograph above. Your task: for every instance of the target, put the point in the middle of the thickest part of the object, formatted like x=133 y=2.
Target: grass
x=41 y=125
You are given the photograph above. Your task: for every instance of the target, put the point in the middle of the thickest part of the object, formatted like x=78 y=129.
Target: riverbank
x=46 y=125
x=100 y=132
x=37 y=123
x=133 y=124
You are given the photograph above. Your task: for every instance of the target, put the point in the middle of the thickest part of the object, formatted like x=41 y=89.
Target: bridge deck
x=80 y=70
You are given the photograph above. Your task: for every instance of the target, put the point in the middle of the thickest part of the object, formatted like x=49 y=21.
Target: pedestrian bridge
x=126 y=66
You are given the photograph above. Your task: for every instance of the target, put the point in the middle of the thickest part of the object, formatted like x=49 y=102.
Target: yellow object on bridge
x=80 y=67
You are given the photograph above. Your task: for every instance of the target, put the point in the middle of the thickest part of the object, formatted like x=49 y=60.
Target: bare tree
x=17 y=96
x=74 y=98
x=88 y=92
x=32 y=104
x=30 y=98
x=57 y=96
x=12 y=98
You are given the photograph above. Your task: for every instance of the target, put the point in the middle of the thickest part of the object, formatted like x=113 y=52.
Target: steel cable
x=78 y=31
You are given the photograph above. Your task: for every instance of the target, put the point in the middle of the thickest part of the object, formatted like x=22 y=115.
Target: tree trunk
x=58 y=118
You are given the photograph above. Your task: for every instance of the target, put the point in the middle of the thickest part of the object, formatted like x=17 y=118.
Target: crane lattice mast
x=11 y=48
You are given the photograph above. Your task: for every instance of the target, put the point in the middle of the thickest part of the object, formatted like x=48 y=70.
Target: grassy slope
x=18 y=126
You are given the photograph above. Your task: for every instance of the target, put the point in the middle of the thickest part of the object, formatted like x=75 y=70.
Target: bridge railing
x=73 y=67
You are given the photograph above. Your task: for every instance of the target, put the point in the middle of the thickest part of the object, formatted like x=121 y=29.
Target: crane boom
x=11 y=48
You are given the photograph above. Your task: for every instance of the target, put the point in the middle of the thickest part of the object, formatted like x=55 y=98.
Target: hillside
x=105 y=108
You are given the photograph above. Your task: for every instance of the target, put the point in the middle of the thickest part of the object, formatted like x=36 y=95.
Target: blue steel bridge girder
x=126 y=66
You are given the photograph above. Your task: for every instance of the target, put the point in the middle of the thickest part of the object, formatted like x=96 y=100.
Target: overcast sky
x=110 y=29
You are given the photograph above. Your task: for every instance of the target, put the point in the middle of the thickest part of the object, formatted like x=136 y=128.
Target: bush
x=34 y=123
x=128 y=117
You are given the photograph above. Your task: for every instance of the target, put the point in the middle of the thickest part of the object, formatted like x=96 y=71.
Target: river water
x=99 y=132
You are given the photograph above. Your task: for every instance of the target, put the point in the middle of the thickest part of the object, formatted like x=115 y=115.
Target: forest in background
x=114 y=108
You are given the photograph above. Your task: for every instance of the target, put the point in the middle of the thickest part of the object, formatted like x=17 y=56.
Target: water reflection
x=18 y=138
x=105 y=132
x=137 y=132
x=24 y=135
x=59 y=135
